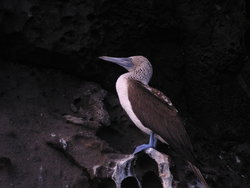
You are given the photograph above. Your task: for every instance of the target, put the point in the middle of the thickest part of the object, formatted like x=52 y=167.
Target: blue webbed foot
x=151 y=144
x=141 y=148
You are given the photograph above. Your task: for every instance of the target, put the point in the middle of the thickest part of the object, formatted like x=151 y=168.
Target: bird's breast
x=122 y=91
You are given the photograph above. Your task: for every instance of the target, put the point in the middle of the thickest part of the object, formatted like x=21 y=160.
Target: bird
x=152 y=111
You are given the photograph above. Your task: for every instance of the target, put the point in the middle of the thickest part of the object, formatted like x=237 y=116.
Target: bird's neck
x=139 y=75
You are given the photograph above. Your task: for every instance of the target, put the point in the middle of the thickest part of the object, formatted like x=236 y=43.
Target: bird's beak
x=125 y=62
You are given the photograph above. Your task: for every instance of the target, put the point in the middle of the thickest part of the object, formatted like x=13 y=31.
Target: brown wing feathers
x=160 y=117
x=157 y=113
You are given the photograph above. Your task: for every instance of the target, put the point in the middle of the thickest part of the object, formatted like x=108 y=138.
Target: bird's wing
x=157 y=113
x=161 y=96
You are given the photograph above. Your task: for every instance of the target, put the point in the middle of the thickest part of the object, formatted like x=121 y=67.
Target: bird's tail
x=198 y=174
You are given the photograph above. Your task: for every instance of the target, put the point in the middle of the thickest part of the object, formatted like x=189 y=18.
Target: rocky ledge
x=60 y=131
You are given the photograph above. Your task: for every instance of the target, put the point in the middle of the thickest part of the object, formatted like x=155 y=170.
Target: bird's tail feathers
x=198 y=174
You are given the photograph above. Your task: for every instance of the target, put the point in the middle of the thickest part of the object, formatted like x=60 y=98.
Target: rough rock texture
x=199 y=50
x=39 y=147
x=138 y=170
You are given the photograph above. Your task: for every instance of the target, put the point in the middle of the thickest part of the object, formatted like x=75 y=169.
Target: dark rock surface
x=199 y=50
x=39 y=147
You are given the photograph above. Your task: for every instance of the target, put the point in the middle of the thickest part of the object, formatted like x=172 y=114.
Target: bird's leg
x=151 y=144
x=152 y=140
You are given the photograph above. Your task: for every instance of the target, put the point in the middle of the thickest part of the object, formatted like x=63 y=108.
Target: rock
x=84 y=148
x=32 y=109
x=88 y=104
x=126 y=167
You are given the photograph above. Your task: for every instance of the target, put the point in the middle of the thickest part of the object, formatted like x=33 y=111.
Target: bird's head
x=130 y=63
x=139 y=66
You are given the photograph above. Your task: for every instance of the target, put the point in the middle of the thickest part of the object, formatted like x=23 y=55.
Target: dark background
x=198 y=48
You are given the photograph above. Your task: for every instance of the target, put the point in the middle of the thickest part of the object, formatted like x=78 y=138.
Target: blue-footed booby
x=151 y=111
